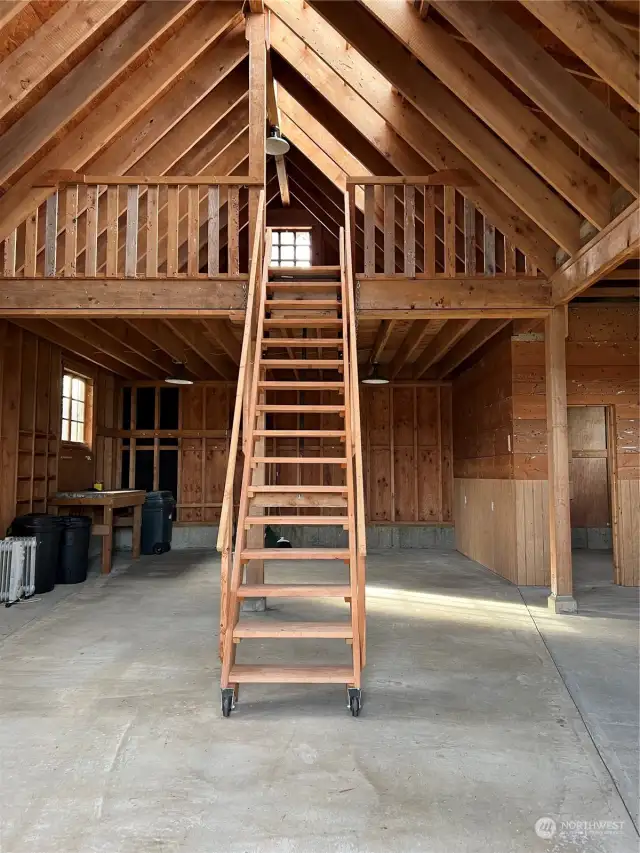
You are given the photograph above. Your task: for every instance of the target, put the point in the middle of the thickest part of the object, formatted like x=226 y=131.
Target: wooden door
x=589 y=473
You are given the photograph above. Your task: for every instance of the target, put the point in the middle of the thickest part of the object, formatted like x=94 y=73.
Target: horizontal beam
x=65 y=178
x=156 y=297
x=445 y=177
x=615 y=244
x=431 y=297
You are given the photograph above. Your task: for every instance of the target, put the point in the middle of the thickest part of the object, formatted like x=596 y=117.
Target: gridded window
x=291 y=248
x=74 y=408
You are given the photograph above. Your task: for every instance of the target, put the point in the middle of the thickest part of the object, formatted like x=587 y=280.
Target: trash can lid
x=37 y=520
x=71 y=521
x=162 y=496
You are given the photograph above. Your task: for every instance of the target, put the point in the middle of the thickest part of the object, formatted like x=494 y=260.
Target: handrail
x=226 y=512
x=63 y=177
x=355 y=386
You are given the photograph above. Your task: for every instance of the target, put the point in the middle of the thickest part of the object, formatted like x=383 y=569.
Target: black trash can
x=47 y=529
x=74 y=549
x=157 y=522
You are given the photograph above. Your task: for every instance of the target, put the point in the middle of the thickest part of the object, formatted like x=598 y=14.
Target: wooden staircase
x=304 y=342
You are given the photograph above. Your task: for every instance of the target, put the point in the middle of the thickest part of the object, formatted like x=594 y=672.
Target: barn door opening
x=590 y=480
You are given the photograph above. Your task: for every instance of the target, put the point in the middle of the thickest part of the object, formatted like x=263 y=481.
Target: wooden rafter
x=467 y=133
x=162 y=336
x=513 y=122
x=482 y=332
x=195 y=338
x=93 y=335
x=220 y=331
x=9 y=9
x=446 y=339
x=565 y=100
x=298 y=25
x=273 y=116
x=381 y=340
x=597 y=39
x=125 y=335
x=412 y=342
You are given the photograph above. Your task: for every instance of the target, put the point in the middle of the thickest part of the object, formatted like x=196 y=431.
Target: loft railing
x=133 y=227
x=260 y=255
x=424 y=227
x=357 y=467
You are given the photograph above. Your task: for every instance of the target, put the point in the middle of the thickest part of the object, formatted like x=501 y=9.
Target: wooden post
x=561 y=599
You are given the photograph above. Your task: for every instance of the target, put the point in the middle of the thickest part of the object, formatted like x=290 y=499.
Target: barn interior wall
x=500 y=443
x=34 y=462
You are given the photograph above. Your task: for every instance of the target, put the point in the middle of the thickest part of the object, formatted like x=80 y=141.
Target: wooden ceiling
x=537 y=100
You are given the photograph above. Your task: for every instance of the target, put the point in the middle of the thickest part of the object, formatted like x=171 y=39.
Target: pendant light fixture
x=179 y=375
x=276 y=143
x=374 y=377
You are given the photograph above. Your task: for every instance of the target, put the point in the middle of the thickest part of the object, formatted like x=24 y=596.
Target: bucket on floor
x=157 y=522
x=74 y=549
x=47 y=529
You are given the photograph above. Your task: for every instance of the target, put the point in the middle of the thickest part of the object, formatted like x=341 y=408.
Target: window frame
x=87 y=422
x=295 y=230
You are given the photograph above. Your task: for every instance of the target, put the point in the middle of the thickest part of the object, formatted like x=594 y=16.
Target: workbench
x=108 y=501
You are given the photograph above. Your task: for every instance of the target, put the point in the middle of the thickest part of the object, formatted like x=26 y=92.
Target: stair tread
x=316 y=489
x=303 y=303
x=302 y=322
x=300 y=460
x=310 y=363
x=294 y=590
x=295 y=554
x=311 y=408
x=275 y=673
x=300 y=520
x=302 y=272
x=289 y=385
x=273 y=628
x=299 y=433
x=310 y=343
x=326 y=284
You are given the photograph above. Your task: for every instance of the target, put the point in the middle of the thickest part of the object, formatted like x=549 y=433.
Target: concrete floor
x=112 y=741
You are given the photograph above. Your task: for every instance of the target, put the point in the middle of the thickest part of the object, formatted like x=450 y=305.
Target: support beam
x=409 y=346
x=119 y=109
x=283 y=183
x=95 y=336
x=129 y=339
x=117 y=298
x=482 y=332
x=167 y=340
x=9 y=9
x=561 y=599
x=395 y=127
x=445 y=340
x=571 y=105
x=597 y=39
x=402 y=297
x=381 y=340
x=195 y=338
x=616 y=243
x=273 y=115
x=256 y=36
x=492 y=102
x=440 y=107
x=48 y=47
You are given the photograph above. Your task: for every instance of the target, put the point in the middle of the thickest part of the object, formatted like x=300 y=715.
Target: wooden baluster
x=31 y=245
x=51 y=235
x=152 y=231
x=131 y=239
x=529 y=268
x=429 y=232
x=370 y=231
x=509 y=257
x=489 y=248
x=389 y=229
x=91 y=247
x=213 y=231
x=71 y=232
x=233 y=230
x=193 y=230
x=469 y=238
x=10 y=254
x=113 y=195
x=410 y=231
x=449 y=231
x=173 y=201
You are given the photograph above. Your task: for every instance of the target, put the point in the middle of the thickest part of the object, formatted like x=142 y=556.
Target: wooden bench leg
x=137 y=531
x=107 y=540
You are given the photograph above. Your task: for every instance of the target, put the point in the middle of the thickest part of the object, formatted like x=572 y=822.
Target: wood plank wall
x=407 y=451
x=500 y=434
x=34 y=464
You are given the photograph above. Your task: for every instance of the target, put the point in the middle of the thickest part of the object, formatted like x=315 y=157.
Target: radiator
x=17 y=568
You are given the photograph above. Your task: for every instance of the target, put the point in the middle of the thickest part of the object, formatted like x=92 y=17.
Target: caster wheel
x=355 y=700
x=167 y=547
x=355 y=706
x=158 y=548
x=228 y=701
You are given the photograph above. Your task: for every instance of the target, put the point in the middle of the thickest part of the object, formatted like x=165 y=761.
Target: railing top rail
x=445 y=177
x=65 y=178
x=227 y=499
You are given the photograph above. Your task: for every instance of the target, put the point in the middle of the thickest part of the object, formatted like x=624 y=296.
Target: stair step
x=304 y=272
x=294 y=554
x=328 y=284
x=299 y=433
x=310 y=343
x=293 y=630
x=304 y=410
x=302 y=303
x=312 y=487
x=302 y=322
x=310 y=363
x=298 y=520
x=298 y=460
x=275 y=674
x=293 y=590
x=320 y=385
